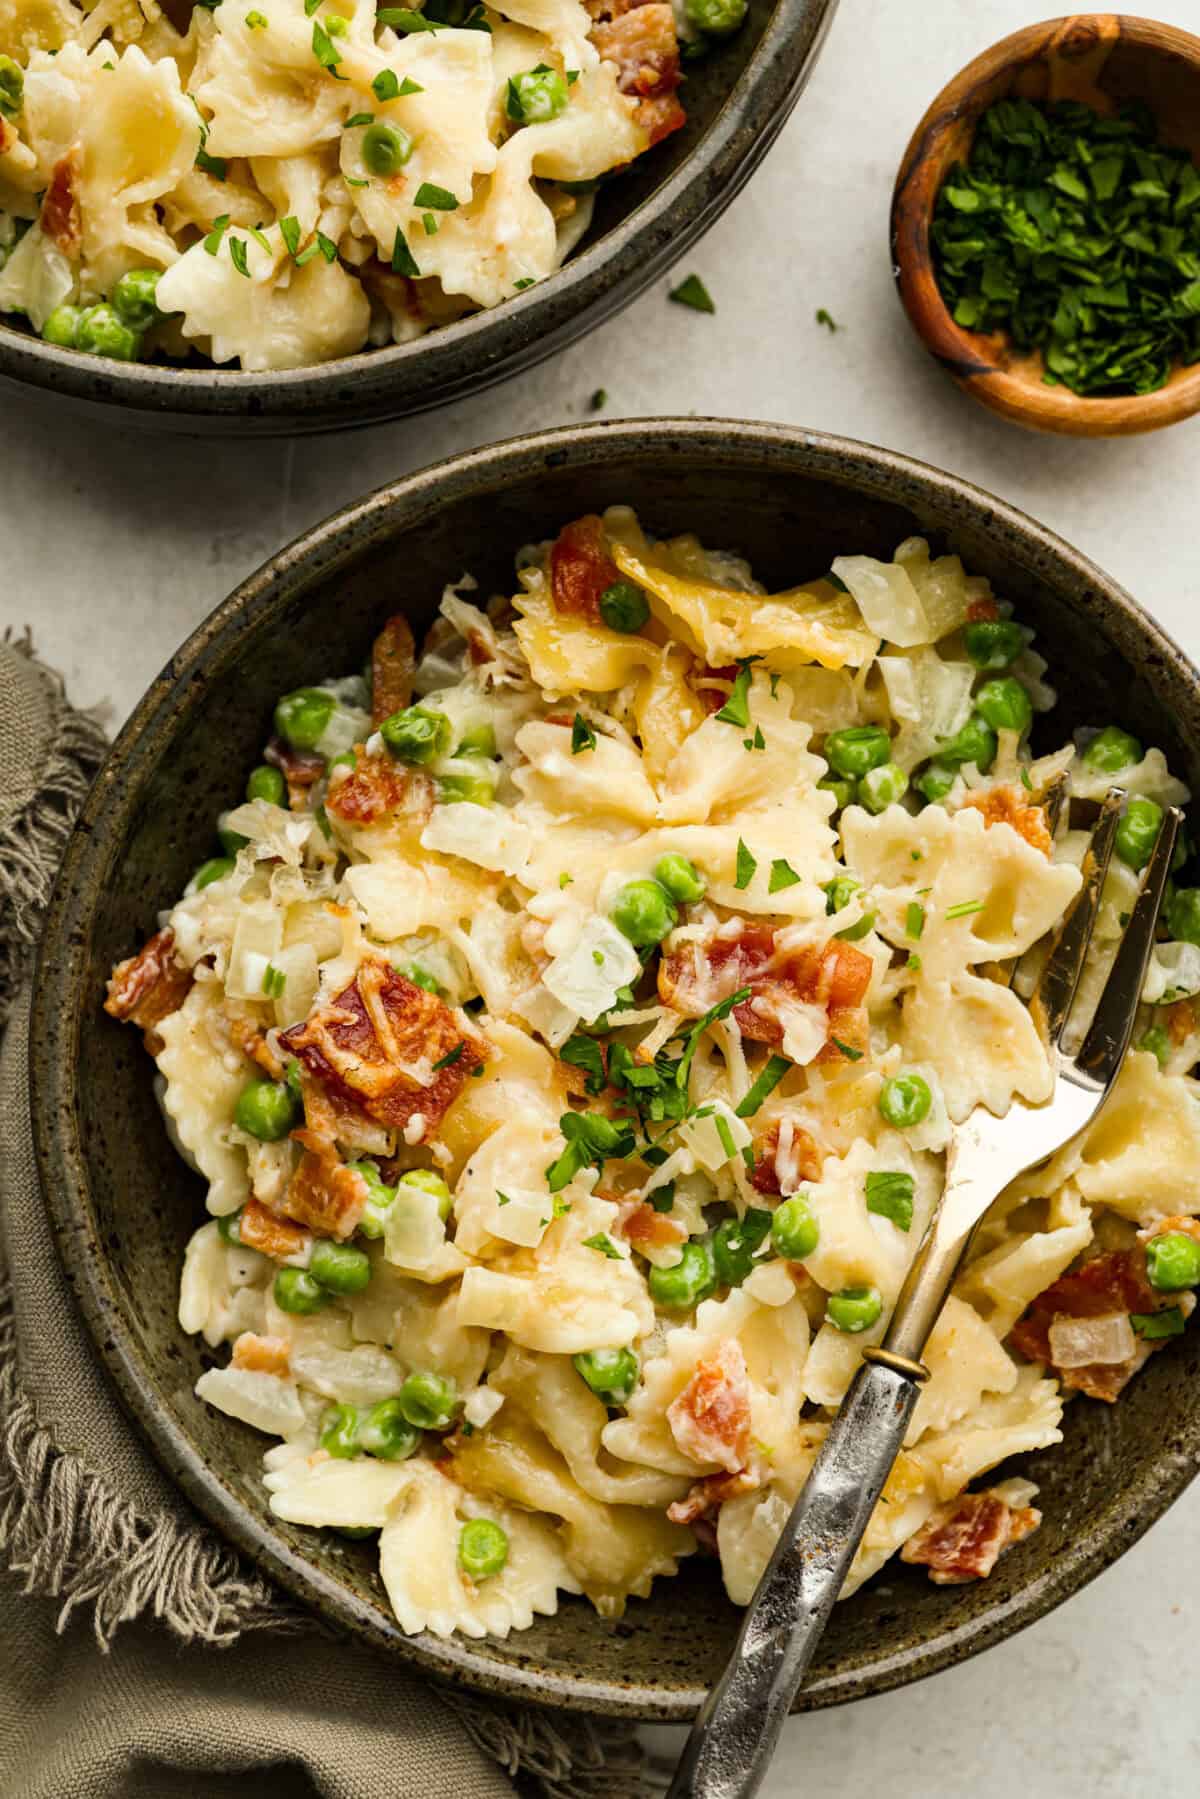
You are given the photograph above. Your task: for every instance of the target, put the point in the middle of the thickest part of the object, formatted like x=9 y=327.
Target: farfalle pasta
x=280 y=184
x=570 y=1032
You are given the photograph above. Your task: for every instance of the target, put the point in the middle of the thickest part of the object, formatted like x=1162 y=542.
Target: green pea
x=475 y=790
x=482 y=1549
x=716 y=18
x=734 y=1243
x=421 y=977
x=336 y=25
x=644 y=912
x=1157 y=1042
x=794 y=1231
x=1005 y=705
x=215 y=869
x=416 y=734
x=385 y=1432
x=379 y=1198
x=692 y=1278
x=993 y=642
x=12 y=87
x=856 y=749
x=296 y=1291
x=854 y=1309
x=385 y=148
x=534 y=98
x=339 y=1431
x=231 y=841
x=1137 y=832
x=477 y=740
x=624 y=607
x=882 y=787
x=62 y=327
x=1111 y=750
x=839 y=892
x=1173 y=1262
x=267 y=783
x=133 y=297
x=428 y=1401
x=339 y=1267
x=1183 y=915
x=266 y=1110
x=301 y=717
x=429 y=1182
x=229 y=1227
x=905 y=1100
x=102 y=333
x=612 y=1373
x=681 y=878
x=976 y=743
x=936 y=782
x=844 y=792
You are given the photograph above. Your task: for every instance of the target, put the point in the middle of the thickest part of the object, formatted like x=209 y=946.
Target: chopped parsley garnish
x=964 y=908
x=663 y=1198
x=746 y=865
x=757 y=742
x=591 y=1138
x=826 y=319
x=714 y=1015
x=440 y=199
x=723 y=1131
x=736 y=710
x=774 y=685
x=323 y=47
x=216 y=166
x=523 y=283
x=450 y=1058
x=430 y=223
x=1170 y=1322
x=582 y=735
x=502 y=1199
x=310 y=7
x=274 y=981
x=692 y=292
x=237 y=255
x=212 y=242
x=1026 y=783
x=564 y=879
x=782 y=875
x=766 y=1083
x=327 y=247
x=289 y=231
x=890 y=1195
x=260 y=238
x=386 y=85
x=914 y=920
x=256 y=21
x=403 y=261
x=604 y=1244
x=914 y=963
x=598 y=400
x=584 y=1052
x=851 y=1055
x=403 y=18
x=360 y=118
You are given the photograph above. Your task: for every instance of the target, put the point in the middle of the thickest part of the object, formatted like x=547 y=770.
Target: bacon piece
x=1178 y=1221
x=645 y=1228
x=1113 y=1282
x=1005 y=806
x=704 y=1500
x=261 y=1355
x=324 y=1193
x=805 y=1155
x=247 y=1035
x=393 y=659
x=264 y=1230
x=642 y=42
x=148 y=987
x=301 y=769
x=710 y=1420
x=711 y=697
x=964 y=1539
x=1180 y=1020
x=376 y=788
x=581 y=568
x=364 y=1043
x=982 y=609
x=62 y=218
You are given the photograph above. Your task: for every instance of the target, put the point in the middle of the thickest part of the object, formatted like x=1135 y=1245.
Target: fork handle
x=737 y=1727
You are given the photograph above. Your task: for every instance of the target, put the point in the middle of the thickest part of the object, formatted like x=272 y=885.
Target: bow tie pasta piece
x=264 y=91
x=981 y=1040
x=931 y=699
x=726 y=772
x=607 y=778
x=965 y=1360
x=27 y=26
x=501 y=1199
x=295 y=186
x=1003 y=1281
x=200 y=1095
x=1003 y=1424
x=275 y=316
x=565 y=22
x=945 y=591
x=222 y=1291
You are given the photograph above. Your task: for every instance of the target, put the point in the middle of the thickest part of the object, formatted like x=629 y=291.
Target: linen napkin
x=139 y=1655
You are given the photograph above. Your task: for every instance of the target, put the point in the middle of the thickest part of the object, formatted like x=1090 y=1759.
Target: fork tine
x=1055 y=993
x=1107 y=1040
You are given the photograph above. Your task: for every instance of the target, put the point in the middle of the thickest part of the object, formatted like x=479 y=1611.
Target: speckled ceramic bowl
x=737 y=100
x=124 y=1205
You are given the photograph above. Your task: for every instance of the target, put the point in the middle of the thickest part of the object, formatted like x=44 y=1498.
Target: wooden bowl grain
x=1101 y=59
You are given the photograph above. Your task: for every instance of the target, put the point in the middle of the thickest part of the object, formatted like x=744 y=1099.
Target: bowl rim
x=62 y=978
x=972 y=357
x=488 y=346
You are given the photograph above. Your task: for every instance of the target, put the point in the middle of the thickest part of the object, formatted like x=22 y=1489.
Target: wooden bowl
x=1101 y=59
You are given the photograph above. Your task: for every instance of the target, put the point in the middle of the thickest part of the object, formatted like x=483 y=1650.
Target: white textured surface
x=115 y=547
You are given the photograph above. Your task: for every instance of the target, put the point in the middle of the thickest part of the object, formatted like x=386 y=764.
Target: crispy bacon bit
x=264 y=1230
x=704 y=681
x=1180 y=1020
x=324 y=1193
x=393 y=659
x=697 y=977
x=1006 y=806
x=261 y=1355
x=805 y=1156
x=364 y=1044
x=581 y=567
x=642 y=1226
x=982 y=609
x=376 y=788
x=248 y=1037
x=301 y=770
x=710 y=1420
x=62 y=218
x=1113 y=1282
x=642 y=42
x=148 y=987
x=964 y=1539
x=705 y=1499
x=1178 y=1221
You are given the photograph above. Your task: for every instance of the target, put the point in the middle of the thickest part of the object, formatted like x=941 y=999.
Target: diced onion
x=1079 y=1342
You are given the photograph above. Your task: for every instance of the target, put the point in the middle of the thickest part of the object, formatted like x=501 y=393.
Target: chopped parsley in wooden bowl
x=1046 y=226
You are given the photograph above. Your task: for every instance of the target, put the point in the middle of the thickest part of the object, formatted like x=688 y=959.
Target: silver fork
x=736 y=1730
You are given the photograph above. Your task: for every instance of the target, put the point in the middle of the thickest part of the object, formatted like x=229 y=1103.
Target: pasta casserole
x=569 y=1033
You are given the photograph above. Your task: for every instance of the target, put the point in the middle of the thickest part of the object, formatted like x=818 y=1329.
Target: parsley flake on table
x=692 y=292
